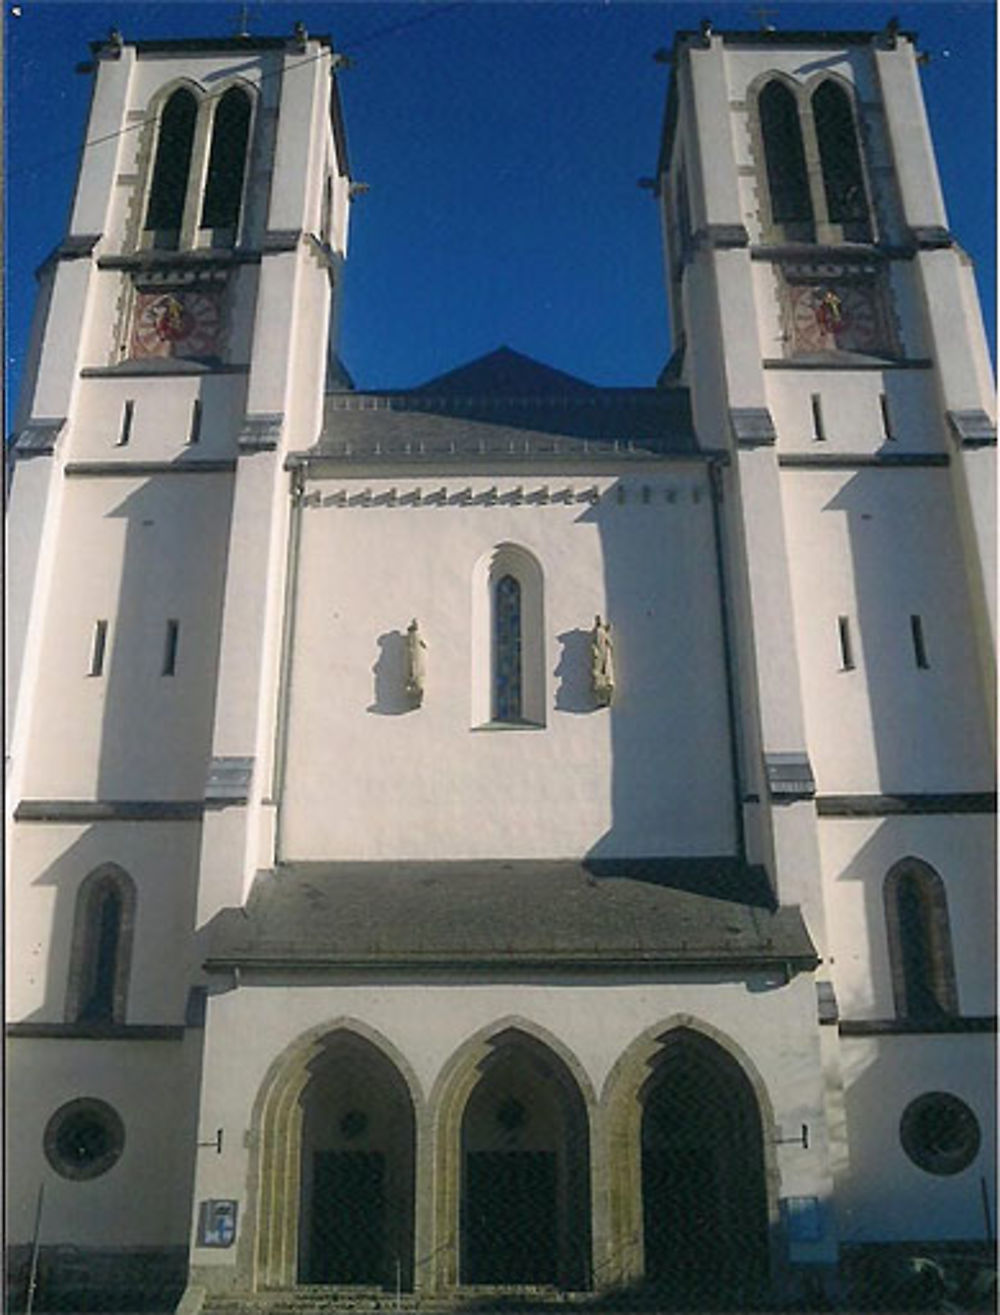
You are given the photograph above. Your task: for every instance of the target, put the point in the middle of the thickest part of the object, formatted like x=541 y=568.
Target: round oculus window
x=84 y=1138
x=940 y=1133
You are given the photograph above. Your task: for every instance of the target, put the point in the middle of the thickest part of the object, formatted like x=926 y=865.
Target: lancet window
x=102 y=948
x=920 y=951
x=812 y=164
x=507 y=686
x=199 y=169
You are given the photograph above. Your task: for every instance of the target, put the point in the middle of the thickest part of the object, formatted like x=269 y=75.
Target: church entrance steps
x=316 y=1299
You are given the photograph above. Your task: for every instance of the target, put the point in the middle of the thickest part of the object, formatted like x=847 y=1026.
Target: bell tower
x=180 y=347
x=827 y=325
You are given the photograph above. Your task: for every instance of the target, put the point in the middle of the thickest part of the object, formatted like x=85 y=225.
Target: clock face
x=828 y=317
x=177 y=323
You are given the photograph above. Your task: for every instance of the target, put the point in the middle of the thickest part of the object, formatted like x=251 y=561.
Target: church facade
x=506 y=835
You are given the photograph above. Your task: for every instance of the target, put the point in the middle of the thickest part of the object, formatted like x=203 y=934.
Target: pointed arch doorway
x=334 y=1164
x=704 y=1196
x=525 y=1171
x=357 y=1169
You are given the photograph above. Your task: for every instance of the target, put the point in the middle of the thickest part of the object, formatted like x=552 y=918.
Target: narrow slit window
x=170 y=648
x=887 y=432
x=919 y=643
x=194 y=431
x=819 y=433
x=98 y=648
x=846 y=643
x=125 y=430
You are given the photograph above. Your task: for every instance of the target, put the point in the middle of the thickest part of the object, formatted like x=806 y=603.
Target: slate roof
x=626 y=914
x=505 y=407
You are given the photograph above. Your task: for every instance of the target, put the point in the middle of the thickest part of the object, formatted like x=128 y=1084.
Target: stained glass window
x=507 y=701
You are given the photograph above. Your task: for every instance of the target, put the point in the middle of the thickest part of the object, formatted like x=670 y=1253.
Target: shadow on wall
x=159 y=691
x=893 y=1195
x=913 y=645
x=672 y=788
x=869 y=865
x=390 y=698
x=572 y=672
x=153 y=905
x=157 y=698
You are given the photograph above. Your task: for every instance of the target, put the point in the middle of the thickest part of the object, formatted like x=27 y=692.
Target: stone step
x=316 y=1299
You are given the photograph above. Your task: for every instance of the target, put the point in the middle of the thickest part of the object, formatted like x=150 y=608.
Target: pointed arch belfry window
x=168 y=191
x=840 y=160
x=101 y=952
x=919 y=934
x=784 y=156
x=227 y=161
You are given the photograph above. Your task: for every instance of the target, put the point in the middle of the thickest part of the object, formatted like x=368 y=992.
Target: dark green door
x=510 y=1217
x=347 y=1238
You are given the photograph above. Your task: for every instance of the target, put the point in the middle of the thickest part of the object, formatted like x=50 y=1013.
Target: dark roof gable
x=504 y=373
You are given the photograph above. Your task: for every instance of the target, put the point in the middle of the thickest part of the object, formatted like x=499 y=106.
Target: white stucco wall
x=879 y=546
x=857 y=854
x=370 y=777
x=145 y=1198
x=886 y=1197
x=52 y=861
x=135 y=552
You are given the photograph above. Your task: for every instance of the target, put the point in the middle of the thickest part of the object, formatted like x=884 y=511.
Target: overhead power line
x=40 y=166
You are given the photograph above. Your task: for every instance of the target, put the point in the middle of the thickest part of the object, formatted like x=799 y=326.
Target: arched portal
x=704 y=1198
x=523 y=1143
x=335 y=1124
x=357 y=1179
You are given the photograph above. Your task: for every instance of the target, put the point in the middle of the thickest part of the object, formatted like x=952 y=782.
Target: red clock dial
x=828 y=317
x=176 y=324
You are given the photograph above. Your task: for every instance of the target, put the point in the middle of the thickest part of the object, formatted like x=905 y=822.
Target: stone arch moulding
x=621 y=1107
x=268 y=1246
x=448 y=1101
x=520 y=563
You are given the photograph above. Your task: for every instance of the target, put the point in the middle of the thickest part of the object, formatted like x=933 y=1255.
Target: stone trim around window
x=85 y=947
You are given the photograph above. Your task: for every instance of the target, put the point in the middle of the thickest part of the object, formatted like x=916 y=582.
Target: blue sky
x=502 y=144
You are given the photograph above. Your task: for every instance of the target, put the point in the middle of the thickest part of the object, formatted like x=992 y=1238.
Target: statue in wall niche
x=416 y=662
x=602 y=667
